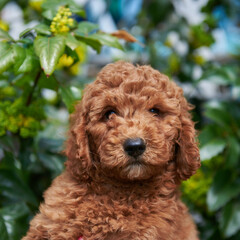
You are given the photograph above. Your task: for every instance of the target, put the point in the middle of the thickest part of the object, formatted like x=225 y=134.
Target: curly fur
x=104 y=195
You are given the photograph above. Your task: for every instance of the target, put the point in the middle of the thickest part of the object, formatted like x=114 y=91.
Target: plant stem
x=33 y=88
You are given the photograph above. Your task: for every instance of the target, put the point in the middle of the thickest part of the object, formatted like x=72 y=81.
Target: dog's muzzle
x=134 y=147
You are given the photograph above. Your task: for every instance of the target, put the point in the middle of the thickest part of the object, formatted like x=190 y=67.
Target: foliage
x=174 y=47
x=36 y=81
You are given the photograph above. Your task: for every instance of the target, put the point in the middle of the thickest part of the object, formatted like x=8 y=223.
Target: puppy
x=131 y=143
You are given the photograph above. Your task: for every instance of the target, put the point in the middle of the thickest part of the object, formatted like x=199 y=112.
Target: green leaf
x=52 y=162
x=49 y=50
x=209 y=133
x=55 y=4
x=76 y=92
x=218 y=79
x=52 y=7
x=106 y=39
x=9 y=144
x=5 y=36
x=50 y=82
x=75 y=8
x=93 y=43
x=10 y=55
x=80 y=12
x=42 y=29
x=84 y=28
x=67 y=98
x=15 y=217
x=23 y=80
x=73 y=54
x=230 y=221
x=27 y=30
x=70 y=96
x=222 y=190
x=14 y=211
x=233 y=152
x=12 y=186
x=20 y=57
x=219 y=116
x=98 y=39
x=212 y=149
x=25 y=41
x=72 y=42
x=29 y=62
x=8 y=161
x=21 y=53
x=2 y=3
x=3 y=229
x=52 y=145
x=49 y=14
x=7 y=56
x=221 y=75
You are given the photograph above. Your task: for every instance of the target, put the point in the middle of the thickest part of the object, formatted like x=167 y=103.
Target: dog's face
x=133 y=129
x=134 y=122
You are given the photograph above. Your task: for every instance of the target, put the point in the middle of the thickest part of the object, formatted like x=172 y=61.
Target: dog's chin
x=136 y=171
x=131 y=169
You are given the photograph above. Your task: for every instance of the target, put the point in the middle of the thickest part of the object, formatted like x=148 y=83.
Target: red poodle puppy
x=131 y=143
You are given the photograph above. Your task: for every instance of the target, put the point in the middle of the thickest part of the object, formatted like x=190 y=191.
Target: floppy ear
x=77 y=146
x=187 y=152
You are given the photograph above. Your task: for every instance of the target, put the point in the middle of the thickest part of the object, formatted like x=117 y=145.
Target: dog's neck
x=159 y=186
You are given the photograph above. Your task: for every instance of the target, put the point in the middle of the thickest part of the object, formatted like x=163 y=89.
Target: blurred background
x=195 y=42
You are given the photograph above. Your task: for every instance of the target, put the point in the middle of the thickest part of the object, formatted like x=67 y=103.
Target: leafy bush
x=174 y=47
x=31 y=138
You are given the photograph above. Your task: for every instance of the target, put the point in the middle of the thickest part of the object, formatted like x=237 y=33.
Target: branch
x=33 y=88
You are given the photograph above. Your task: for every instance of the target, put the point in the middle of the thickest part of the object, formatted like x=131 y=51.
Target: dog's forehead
x=125 y=76
x=142 y=80
x=122 y=84
x=133 y=85
x=135 y=92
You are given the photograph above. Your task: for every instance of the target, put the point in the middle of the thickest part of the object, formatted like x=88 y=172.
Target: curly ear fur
x=77 y=147
x=187 y=154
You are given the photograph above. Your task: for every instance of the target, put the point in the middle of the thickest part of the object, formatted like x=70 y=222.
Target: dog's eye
x=155 y=111
x=109 y=113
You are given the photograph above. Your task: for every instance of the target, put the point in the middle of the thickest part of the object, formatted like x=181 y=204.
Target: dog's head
x=132 y=124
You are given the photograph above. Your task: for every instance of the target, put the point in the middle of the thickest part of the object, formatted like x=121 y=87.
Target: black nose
x=134 y=147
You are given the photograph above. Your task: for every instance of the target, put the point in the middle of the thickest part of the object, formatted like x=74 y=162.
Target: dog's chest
x=106 y=218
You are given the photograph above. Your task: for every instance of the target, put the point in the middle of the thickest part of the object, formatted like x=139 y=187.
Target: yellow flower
x=68 y=62
x=4 y=26
x=195 y=188
x=20 y=119
x=82 y=53
x=65 y=61
x=168 y=43
x=199 y=59
x=64 y=29
x=61 y=22
x=36 y=4
x=174 y=62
